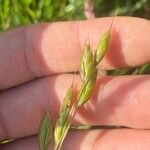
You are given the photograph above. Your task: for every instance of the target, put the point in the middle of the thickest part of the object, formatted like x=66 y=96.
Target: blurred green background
x=14 y=13
x=20 y=12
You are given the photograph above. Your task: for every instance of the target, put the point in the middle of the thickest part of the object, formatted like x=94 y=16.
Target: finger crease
x=25 y=49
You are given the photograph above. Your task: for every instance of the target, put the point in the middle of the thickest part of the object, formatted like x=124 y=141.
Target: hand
x=34 y=66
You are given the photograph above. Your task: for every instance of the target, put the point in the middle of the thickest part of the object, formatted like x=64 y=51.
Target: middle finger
x=115 y=101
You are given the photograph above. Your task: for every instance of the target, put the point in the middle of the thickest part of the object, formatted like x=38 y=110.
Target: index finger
x=45 y=49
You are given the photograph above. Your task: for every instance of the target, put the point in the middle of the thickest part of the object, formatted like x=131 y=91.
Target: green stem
x=86 y=127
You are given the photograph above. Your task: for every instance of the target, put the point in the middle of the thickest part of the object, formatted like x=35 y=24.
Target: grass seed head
x=45 y=132
x=85 y=92
x=63 y=118
x=87 y=67
x=102 y=47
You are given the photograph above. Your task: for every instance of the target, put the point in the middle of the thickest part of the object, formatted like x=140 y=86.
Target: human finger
x=45 y=49
x=115 y=101
x=92 y=140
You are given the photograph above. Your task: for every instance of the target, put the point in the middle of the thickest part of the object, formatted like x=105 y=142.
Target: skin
x=35 y=61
